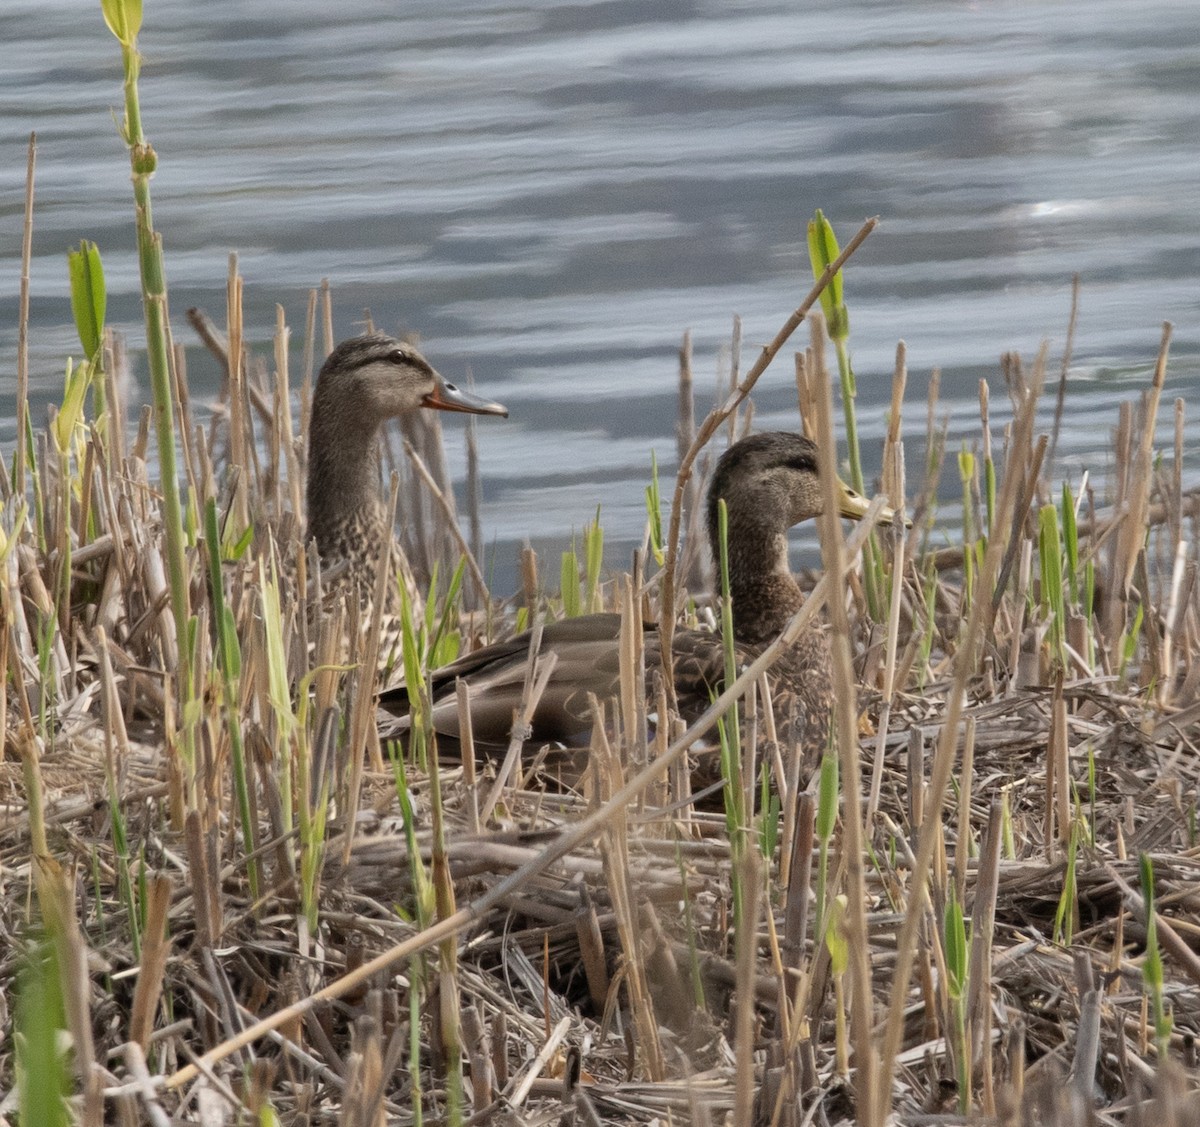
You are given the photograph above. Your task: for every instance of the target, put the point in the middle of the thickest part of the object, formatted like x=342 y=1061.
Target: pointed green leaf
x=124 y=19
x=827 y=796
x=569 y=582
x=822 y=253
x=955 y=939
x=70 y=414
x=88 y=296
x=836 y=939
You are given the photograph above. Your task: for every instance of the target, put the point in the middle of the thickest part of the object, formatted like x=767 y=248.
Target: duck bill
x=446 y=397
x=855 y=506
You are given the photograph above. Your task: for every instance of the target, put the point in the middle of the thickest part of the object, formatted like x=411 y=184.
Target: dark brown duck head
x=364 y=381
x=769 y=482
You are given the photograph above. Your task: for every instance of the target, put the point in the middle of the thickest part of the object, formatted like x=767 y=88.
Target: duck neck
x=762 y=588
x=343 y=474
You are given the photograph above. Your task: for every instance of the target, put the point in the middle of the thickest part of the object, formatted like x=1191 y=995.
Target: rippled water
x=551 y=194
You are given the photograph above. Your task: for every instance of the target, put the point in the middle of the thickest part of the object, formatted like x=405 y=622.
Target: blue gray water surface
x=551 y=193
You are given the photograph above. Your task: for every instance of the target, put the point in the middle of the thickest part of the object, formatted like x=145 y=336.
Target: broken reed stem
x=238 y=430
x=283 y=413
x=1068 y=347
x=447 y=511
x=1144 y=467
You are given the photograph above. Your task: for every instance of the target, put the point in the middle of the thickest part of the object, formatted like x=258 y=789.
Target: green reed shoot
x=593 y=556
x=654 y=512
x=279 y=692
x=1070 y=531
x=823 y=251
x=1152 y=964
x=837 y=943
x=1050 y=558
x=97 y=893
x=67 y=432
x=580 y=588
x=1092 y=795
x=689 y=928
x=729 y=730
x=42 y=1072
x=928 y=625
x=1129 y=639
x=89 y=304
x=966 y=474
x=826 y=820
x=313 y=809
x=442 y=645
x=957 y=951
x=411 y=650
x=229 y=665
x=771 y=818
x=134 y=904
x=124 y=20
x=447 y=956
x=67 y=428
x=89 y=299
x=421 y=915
x=572 y=603
x=39 y=499
x=46 y=629
x=1067 y=912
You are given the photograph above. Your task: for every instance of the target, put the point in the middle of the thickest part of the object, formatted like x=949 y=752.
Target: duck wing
x=587 y=661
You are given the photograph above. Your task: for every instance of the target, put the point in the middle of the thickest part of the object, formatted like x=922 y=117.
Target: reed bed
x=225 y=900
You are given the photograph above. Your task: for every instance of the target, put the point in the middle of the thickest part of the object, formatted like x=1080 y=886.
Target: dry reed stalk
x=685 y=435
x=537 y=676
x=1068 y=347
x=462 y=693
x=983 y=928
x=23 y=322
x=444 y=499
x=871 y=1108
x=962 y=839
x=156 y=947
x=362 y=700
x=325 y=304
x=283 y=410
x=475 y=503
x=614 y=850
x=746 y=942
x=894 y=489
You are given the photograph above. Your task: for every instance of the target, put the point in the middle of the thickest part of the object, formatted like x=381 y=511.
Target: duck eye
x=398 y=356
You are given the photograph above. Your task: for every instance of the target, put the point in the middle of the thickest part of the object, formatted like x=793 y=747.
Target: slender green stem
x=123 y=20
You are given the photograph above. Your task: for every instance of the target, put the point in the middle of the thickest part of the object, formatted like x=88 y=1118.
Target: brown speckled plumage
x=769 y=482
x=364 y=381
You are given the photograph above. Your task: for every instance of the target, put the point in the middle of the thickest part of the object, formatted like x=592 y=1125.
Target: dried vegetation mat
x=223 y=900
